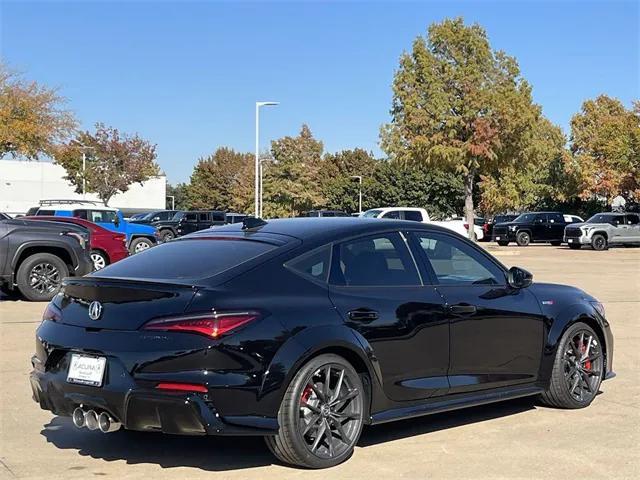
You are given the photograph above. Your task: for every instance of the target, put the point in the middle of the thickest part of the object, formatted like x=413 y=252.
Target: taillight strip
x=182 y=387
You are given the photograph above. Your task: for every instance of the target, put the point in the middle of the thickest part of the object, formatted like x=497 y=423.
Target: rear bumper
x=117 y=255
x=142 y=407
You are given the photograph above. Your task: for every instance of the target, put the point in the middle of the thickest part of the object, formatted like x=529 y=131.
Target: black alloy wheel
x=578 y=369
x=39 y=276
x=167 y=235
x=599 y=242
x=523 y=239
x=321 y=416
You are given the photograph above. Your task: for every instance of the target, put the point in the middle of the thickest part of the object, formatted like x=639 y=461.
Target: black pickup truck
x=35 y=257
x=546 y=227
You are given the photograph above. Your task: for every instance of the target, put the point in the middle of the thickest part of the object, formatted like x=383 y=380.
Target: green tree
x=458 y=104
x=339 y=188
x=114 y=161
x=291 y=181
x=220 y=181
x=33 y=120
x=179 y=194
x=605 y=142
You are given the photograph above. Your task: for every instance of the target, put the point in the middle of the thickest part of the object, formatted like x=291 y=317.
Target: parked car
x=107 y=247
x=487 y=226
x=603 y=230
x=303 y=330
x=231 y=217
x=398 y=213
x=36 y=256
x=194 y=221
x=544 y=227
x=573 y=219
x=461 y=227
x=139 y=237
x=151 y=218
x=325 y=213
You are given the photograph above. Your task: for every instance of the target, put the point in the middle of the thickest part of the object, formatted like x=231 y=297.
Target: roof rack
x=70 y=202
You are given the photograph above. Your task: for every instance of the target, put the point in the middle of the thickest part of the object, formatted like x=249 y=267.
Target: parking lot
x=517 y=439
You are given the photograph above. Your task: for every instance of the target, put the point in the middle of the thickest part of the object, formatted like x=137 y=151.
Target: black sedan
x=304 y=330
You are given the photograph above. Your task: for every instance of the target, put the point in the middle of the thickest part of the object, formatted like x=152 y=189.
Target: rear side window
x=203 y=217
x=382 y=260
x=217 y=216
x=46 y=212
x=555 y=218
x=413 y=215
x=314 y=264
x=632 y=219
x=395 y=214
x=182 y=259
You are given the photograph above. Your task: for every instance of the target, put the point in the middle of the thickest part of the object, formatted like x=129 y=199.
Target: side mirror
x=519 y=278
x=116 y=221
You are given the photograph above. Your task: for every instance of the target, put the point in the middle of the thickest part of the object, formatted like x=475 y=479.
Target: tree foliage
x=180 y=198
x=114 y=161
x=33 y=119
x=605 y=141
x=291 y=184
x=459 y=105
x=222 y=181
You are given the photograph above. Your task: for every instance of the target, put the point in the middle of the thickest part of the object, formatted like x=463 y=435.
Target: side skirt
x=454 y=403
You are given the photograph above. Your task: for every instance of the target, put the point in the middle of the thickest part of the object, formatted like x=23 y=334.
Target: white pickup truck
x=421 y=215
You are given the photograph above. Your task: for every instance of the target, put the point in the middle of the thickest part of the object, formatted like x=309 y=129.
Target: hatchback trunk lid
x=123 y=304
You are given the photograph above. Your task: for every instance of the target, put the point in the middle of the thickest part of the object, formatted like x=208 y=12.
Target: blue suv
x=139 y=237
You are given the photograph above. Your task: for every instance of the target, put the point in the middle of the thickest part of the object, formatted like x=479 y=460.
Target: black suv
x=193 y=221
x=544 y=227
x=36 y=256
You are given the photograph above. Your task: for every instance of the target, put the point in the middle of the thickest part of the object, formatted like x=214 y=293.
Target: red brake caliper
x=583 y=348
x=306 y=393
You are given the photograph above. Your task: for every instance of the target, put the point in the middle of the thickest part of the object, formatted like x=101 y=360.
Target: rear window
x=187 y=259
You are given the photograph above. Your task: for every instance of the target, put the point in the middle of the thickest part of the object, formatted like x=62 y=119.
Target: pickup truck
x=604 y=229
x=457 y=224
x=35 y=257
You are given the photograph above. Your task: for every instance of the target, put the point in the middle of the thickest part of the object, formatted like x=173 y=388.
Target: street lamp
x=359 y=177
x=84 y=164
x=258 y=166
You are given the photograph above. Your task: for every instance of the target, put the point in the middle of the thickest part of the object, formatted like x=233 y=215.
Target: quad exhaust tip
x=94 y=421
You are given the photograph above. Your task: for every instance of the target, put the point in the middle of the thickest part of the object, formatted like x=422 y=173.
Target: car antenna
x=250 y=223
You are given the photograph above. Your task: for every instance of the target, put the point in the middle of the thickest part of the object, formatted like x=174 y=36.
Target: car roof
x=322 y=229
x=65 y=207
x=75 y=220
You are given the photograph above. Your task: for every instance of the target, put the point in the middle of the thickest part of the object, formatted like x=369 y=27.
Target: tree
x=114 y=161
x=222 y=181
x=179 y=194
x=32 y=118
x=291 y=182
x=339 y=188
x=459 y=105
x=605 y=142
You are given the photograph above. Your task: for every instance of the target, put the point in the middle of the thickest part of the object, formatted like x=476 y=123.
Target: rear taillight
x=53 y=313
x=466 y=226
x=182 y=387
x=212 y=325
x=122 y=238
x=485 y=227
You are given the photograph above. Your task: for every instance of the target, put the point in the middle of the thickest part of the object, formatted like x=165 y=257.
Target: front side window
x=453 y=262
x=314 y=264
x=525 y=218
x=381 y=260
x=555 y=218
x=606 y=218
x=372 y=213
x=394 y=214
x=191 y=217
x=203 y=217
x=102 y=216
x=540 y=218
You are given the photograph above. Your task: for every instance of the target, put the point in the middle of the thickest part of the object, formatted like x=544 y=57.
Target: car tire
x=577 y=372
x=305 y=443
x=167 y=235
x=575 y=246
x=503 y=244
x=523 y=239
x=140 y=244
x=99 y=259
x=599 y=242
x=39 y=276
x=556 y=244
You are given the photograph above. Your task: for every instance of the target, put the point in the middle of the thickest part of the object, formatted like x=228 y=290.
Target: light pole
x=258 y=166
x=173 y=201
x=359 y=177
x=84 y=165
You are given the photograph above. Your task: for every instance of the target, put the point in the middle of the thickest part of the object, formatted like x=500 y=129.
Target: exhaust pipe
x=91 y=420
x=107 y=424
x=78 y=417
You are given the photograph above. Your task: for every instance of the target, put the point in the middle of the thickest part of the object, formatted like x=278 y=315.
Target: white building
x=24 y=183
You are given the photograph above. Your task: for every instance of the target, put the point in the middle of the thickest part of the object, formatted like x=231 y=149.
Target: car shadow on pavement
x=234 y=453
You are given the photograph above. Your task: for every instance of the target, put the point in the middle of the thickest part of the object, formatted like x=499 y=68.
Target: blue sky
x=186 y=75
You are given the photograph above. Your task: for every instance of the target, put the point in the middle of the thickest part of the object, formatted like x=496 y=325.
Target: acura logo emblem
x=95 y=310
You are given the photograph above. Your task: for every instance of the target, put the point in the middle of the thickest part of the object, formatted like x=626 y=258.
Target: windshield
x=372 y=213
x=525 y=218
x=605 y=218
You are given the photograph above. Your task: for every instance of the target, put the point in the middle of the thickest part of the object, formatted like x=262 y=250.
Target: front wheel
x=599 y=242
x=523 y=239
x=321 y=415
x=577 y=369
x=139 y=245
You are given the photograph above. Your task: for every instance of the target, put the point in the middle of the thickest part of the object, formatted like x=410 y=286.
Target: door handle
x=462 y=309
x=363 y=315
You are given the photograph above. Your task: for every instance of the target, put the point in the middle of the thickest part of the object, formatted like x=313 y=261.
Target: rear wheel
x=523 y=239
x=40 y=276
x=575 y=246
x=577 y=369
x=99 y=259
x=599 y=242
x=321 y=414
x=167 y=235
x=139 y=245
x=503 y=244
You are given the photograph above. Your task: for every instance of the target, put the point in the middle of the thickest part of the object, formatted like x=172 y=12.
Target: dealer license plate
x=570 y=240
x=497 y=238
x=86 y=370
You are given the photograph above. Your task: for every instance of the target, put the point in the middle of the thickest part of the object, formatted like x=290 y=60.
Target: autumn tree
x=33 y=118
x=605 y=142
x=458 y=105
x=222 y=181
x=114 y=161
x=291 y=181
